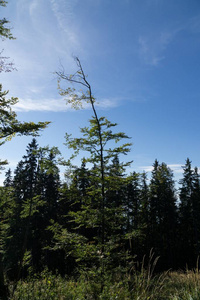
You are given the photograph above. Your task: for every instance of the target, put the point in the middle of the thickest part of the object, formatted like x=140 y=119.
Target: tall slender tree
x=95 y=139
x=189 y=214
x=163 y=213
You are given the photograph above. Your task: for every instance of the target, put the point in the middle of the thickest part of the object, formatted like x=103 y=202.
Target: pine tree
x=145 y=203
x=8 y=178
x=48 y=185
x=144 y=214
x=35 y=194
x=7 y=213
x=133 y=201
x=163 y=213
x=132 y=212
x=189 y=215
x=24 y=184
x=195 y=197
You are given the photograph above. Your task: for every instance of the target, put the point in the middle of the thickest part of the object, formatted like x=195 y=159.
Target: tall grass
x=185 y=285
x=146 y=285
x=139 y=284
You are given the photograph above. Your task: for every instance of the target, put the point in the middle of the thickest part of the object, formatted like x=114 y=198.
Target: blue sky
x=143 y=63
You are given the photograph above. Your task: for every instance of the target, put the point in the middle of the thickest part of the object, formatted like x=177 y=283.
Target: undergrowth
x=139 y=284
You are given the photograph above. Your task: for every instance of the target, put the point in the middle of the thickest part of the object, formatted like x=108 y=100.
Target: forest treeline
x=51 y=223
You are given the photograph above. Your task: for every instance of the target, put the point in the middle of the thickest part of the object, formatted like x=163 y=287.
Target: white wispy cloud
x=108 y=103
x=58 y=105
x=26 y=105
x=45 y=31
x=153 y=45
x=33 y=6
x=151 y=48
x=63 y=11
x=50 y=31
x=146 y=168
x=192 y=25
x=176 y=168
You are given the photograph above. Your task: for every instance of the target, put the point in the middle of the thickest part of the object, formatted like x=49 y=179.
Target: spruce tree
x=189 y=215
x=163 y=214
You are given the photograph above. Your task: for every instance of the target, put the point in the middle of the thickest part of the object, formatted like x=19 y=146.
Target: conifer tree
x=163 y=213
x=35 y=195
x=144 y=218
x=195 y=197
x=131 y=204
x=7 y=213
x=48 y=185
x=144 y=196
x=8 y=178
x=189 y=214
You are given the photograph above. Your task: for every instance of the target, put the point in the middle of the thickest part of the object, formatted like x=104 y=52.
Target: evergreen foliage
x=46 y=223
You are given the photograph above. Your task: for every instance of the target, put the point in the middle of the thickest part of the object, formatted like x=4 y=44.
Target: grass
x=139 y=284
x=184 y=285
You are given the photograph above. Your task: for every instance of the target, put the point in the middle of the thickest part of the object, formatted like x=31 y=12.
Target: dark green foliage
x=162 y=213
x=189 y=214
x=46 y=223
x=34 y=198
x=93 y=228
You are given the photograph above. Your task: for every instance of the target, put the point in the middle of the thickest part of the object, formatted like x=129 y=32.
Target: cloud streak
x=26 y=105
x=151 y=48
x=63 y=11
x=153 y=45
x=176 y=168
x=57 y=105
